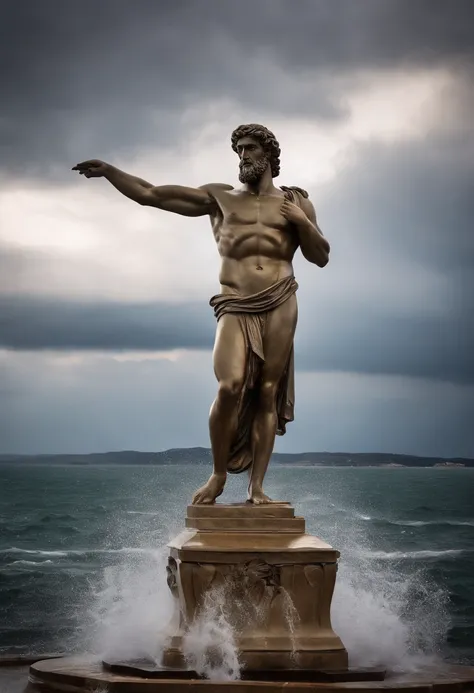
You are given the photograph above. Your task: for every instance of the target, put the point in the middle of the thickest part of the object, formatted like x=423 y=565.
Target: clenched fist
x=94 y=168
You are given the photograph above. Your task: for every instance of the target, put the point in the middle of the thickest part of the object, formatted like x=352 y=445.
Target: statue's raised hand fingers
x=81 y=167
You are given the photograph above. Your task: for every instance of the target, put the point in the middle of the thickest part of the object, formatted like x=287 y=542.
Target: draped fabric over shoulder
x=252 y=312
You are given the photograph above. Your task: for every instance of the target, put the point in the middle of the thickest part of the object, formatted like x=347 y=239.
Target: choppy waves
x=83 y=556
x=85 y=553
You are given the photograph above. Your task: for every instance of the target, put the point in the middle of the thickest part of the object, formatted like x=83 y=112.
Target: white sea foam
x=34 y=552
x=209 y=645
x=386 y=620
x=387 y=612
x=34 y=563
x=434 y=523
x=416 y=523
x=382 y=617
x=386 y=608
x=292 y=618
x=81 y=552
x=130 y=610
x=144 y=551
x=413 y=555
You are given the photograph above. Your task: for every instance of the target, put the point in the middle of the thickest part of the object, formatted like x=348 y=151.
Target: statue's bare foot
x=258 y=497
x=210 y=491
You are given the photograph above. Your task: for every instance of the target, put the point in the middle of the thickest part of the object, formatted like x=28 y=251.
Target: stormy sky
x=105 y=330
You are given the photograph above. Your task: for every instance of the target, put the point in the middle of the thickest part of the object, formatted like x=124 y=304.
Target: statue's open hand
x=94 y=168
x=293 y=213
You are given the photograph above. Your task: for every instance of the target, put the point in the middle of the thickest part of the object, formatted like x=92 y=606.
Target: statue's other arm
x=314 y=246
x=190 y=202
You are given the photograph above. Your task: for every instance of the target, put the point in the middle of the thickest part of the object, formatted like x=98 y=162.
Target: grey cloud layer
x=91 y=77
x=414 y=200
x=430 y=347
x=99 y=403
x=29 y=323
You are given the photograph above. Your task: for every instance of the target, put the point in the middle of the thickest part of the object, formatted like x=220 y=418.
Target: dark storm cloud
x=402 y=210
x=436 y=348
x=89 y=79
x=414 y=201
x=344 y=34
x=30 y=324
x=377 y=343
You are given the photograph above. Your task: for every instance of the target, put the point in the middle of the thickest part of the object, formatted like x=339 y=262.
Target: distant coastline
x=177 y=456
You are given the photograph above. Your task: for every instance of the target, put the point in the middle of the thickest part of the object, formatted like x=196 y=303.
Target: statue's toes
x=201 y=497
x=197 y=497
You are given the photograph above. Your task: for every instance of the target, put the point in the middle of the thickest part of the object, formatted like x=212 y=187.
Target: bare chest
x=248 y=224
x=246 y=210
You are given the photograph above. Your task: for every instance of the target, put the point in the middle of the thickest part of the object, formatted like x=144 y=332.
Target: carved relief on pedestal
x=172 y=576
x=245 y=585
x=269 y=587
x=255 y=592
x=256 y=578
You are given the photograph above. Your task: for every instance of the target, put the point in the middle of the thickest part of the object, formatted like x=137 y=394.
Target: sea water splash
x=292 y=618
x=209 y=645
x=386 y=609
x=131 y=609
x=388 y=620
x=385 y=615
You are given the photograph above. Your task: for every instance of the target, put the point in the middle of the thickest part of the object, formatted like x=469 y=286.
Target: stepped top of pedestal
x=245 y=517
x=238 y=531
x=239 y=546
x=241 y=510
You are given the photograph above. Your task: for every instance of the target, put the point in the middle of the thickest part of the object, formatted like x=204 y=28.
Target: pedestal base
x=272 y=582
x=81 y=674
x=148 y=669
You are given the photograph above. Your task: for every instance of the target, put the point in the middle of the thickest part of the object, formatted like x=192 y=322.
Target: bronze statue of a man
x=257 y=228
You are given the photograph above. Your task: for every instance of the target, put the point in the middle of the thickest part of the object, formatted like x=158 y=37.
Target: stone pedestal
x=273 y=582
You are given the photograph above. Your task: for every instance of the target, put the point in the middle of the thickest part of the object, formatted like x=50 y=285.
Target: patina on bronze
x=258 y=228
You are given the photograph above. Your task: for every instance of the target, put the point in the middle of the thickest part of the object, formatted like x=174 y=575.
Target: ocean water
x=83 y=554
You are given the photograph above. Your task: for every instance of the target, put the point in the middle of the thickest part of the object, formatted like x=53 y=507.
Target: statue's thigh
x=278 y=338
x=230 y=352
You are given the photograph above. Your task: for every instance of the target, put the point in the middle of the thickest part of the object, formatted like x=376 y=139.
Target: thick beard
x=251 y=173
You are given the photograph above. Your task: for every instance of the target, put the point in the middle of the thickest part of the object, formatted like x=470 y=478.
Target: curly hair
x=267 y=140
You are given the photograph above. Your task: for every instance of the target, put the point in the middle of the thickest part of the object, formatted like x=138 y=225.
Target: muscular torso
x=256 y=243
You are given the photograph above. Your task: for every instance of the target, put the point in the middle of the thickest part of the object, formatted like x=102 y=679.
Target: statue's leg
x=229 y=367
x=277 y=342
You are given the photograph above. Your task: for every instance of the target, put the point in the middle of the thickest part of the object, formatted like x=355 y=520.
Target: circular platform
x=82 y=674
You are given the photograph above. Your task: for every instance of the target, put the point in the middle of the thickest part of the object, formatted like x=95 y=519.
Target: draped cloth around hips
x=252 y=312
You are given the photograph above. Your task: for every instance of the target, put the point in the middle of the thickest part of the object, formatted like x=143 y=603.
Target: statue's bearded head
x=258 y=149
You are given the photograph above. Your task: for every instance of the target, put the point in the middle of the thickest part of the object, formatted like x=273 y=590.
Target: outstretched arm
x=314 y=246
x=190 y=202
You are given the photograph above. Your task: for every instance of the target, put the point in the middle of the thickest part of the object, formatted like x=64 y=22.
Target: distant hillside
x=203 y=456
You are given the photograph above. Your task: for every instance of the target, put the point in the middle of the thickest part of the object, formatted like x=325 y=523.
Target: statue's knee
x=268 y=393
x=229 y=390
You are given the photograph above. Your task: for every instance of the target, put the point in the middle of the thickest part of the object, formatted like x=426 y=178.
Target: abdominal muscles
x=254 y=260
